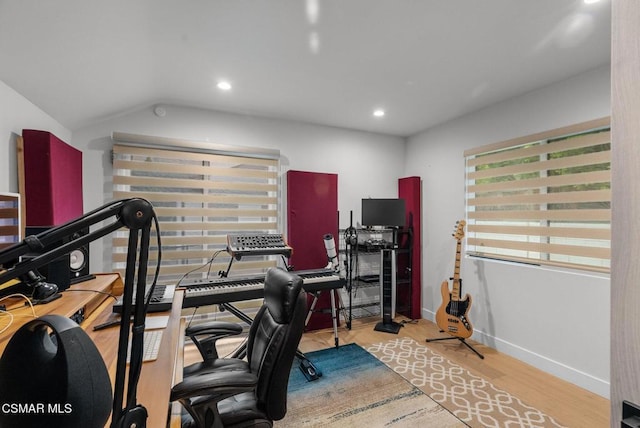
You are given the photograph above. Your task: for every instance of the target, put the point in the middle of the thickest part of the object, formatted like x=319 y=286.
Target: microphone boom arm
x=47 y=242
x=136 y=214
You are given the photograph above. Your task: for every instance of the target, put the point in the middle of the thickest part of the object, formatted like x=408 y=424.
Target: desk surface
x=157 y=376
x=83 y=297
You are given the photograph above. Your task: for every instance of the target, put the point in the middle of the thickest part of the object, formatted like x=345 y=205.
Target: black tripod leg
x=472 y=348
x=461 y=340
x=441 y=338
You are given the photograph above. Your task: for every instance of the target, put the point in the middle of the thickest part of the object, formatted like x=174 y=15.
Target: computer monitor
x=383 y=212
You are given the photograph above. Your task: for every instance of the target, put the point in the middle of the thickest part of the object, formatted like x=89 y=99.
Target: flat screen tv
x=383 y=212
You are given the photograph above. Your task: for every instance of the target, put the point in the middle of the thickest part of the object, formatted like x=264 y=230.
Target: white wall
x=368 y=165
x=18 y=113
x=554 y=319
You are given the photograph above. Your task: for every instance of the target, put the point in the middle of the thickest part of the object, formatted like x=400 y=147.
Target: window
x=543 y=199
x=10 y=227
x=199 y=198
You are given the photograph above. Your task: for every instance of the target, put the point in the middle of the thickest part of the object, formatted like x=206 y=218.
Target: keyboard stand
x=334 y=312
x=308 y=369
x=241 y=350
x=235 y=311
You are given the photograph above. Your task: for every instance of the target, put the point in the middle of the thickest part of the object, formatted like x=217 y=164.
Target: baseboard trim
x=548 y=365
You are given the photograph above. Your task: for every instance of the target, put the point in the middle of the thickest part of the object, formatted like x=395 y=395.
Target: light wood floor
x=568 y=404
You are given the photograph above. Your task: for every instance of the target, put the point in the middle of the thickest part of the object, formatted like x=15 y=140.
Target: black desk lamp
x=135 y=214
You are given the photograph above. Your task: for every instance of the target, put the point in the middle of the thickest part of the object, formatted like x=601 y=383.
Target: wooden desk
x=157 y=377
x=81 y=299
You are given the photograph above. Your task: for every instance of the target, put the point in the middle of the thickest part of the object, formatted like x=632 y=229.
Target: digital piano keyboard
x=227 y=290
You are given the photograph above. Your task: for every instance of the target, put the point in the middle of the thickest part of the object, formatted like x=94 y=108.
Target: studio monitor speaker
x=79 y=259
x=52 y=375
x=69 y=268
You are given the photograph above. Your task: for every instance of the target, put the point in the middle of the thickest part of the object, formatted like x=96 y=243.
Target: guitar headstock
x=459 y=232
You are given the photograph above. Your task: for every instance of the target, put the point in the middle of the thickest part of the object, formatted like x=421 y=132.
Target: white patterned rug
x=471 y=398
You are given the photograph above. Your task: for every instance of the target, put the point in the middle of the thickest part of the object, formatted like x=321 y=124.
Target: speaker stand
x=464 y=342
x=388 y=290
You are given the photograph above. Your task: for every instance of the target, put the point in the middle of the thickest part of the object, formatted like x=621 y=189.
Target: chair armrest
x=214 y=331
x=220 y=384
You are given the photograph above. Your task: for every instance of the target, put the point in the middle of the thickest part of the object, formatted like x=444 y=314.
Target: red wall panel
x=53 y=179
x=312 y=212
x=410 y=189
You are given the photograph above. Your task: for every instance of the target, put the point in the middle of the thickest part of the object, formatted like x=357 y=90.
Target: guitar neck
x=455 y=287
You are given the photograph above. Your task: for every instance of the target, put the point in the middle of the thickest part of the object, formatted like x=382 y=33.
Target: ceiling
x=329 y=62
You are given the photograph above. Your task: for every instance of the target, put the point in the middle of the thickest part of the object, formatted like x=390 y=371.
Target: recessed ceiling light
x=378 y=112
x=591 y=1
x=224 y=85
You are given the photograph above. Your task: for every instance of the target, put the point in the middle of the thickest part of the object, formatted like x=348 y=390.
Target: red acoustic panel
x=53 y=179
x=312 y=212
x=410 y=189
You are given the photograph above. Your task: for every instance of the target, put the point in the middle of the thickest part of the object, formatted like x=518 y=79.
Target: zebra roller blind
x=543 y=199
x=199 y=199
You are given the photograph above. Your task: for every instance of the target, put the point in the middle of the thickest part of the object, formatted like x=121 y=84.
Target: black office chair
x=253 y=392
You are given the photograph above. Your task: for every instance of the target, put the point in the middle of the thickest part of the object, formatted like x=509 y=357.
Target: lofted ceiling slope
x=329 y=62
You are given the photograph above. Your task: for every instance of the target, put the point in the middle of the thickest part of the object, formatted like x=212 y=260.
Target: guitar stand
x=464 y=342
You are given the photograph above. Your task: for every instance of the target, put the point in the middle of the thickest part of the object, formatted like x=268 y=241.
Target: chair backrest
x=274 y=338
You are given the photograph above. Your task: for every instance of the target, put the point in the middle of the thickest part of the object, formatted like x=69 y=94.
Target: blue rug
x=336 y=364
x=357 y=390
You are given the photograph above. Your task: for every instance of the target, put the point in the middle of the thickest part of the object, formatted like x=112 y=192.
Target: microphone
x=332 y=255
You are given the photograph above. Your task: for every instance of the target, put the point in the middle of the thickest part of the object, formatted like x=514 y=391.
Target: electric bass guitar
x=451 y=316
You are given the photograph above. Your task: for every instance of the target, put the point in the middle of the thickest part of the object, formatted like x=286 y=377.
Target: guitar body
x=451 y=316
